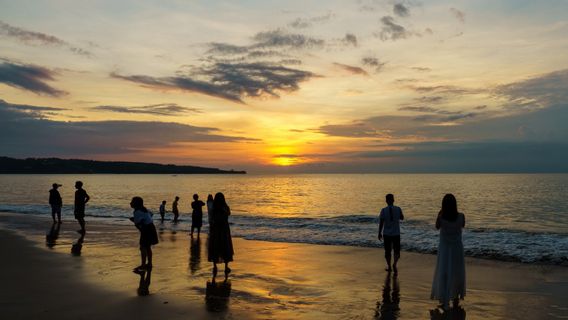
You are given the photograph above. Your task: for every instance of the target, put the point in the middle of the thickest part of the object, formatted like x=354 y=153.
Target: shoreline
x=269 y=279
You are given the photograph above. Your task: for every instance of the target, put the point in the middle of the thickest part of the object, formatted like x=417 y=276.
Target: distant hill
x=55 y=165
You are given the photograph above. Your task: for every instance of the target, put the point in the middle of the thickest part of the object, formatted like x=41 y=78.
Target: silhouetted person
x=217 y=295
x=197 y=214
x=449 y=276
x=175 y=209
x=209 y=209
x=55 y=202
x=194 y=254
x=220 y=245
x=51 y=237
x=78 y=245
x=142 y=219
x=163 y=210
x=81 y=199
x=389 y=229
x=388 y=308
x=144 y=284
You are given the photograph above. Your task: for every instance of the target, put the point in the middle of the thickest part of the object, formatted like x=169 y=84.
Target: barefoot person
x=55 y=202
x=449 y=277
x=163 y=210
x=197 y=214
x=220 y=248
x=389 y=229
x=175 y=209
x=81 y=199
x=142 y=219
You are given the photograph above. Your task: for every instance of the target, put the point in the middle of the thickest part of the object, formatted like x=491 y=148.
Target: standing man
x=389 y=229
x=163 y=210
x=175 y=210
x=55 y=202
x=81 y=198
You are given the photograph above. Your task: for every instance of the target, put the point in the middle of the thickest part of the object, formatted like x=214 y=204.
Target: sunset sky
x=295 y=86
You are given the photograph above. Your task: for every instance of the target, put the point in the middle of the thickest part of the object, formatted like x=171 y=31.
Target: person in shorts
x=81 y=199
x=55 y=202
x=389 y=230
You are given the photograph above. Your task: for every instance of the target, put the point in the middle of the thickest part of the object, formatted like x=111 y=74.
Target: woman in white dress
x=449 y=277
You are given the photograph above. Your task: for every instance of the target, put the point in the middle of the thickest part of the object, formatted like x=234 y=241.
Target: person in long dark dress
x=220 y=248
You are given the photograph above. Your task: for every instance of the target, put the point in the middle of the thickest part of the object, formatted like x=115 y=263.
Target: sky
x=289 y=86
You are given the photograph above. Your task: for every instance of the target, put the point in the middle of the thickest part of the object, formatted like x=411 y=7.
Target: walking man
x=389 y=229
x=55 y=202
x=81 y=198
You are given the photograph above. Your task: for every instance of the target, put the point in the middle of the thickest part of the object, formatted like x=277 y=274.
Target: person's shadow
x=455 y=313
x=52 y=235
x=217 y=295
x=144 y=284
x=78 y=245
x=194 y=254
x=388 y=306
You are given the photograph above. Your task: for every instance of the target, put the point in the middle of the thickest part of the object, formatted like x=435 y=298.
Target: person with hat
x=55 y=202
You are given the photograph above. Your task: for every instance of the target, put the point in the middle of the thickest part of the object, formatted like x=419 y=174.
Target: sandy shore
x=44 y=279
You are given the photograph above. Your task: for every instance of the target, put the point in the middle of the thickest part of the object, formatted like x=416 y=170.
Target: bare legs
x=227 y=269
x=146 y=256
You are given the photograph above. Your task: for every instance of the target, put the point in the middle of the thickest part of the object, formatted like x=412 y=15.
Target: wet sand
x=44 y=279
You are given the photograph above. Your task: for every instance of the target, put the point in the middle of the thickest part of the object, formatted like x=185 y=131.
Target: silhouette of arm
x=87 y=198
x=438 y=220
x=381 y=225
x=463 y=220
x=401 y=215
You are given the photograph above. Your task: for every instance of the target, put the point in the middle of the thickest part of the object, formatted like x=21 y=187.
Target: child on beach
x=210 y=210
x=197 y=214
x=163 y=210
x=81 y=199
x=175 y=210
x=142 y=219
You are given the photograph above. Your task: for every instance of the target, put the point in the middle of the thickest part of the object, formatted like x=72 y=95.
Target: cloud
x=392 y=31
x=279 y=38
x=351 y=69
x=541 y=91
x=460 y=15
x=37 y=38
x=230 y=81
x=350 y=39
x=26 y=111
x=421 y=69
x=401 y=10
x=24 y=134
x=28 y=77
x=162 y=109
x=303 y=23
x=373 y=62
x=447 y=89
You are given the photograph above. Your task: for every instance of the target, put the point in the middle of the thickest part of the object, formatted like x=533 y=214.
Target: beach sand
x=270 y=280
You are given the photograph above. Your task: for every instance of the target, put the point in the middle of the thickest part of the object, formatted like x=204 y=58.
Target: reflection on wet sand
x=194 y=254
x=388 y=306
x=144 y=285
x=78 y=245
x=217 y=295
x=52 y=235
x=456 y=313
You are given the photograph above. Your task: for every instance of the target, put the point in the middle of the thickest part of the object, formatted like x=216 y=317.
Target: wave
x=361 y=230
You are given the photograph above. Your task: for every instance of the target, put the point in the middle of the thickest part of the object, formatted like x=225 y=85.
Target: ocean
x=511 y=217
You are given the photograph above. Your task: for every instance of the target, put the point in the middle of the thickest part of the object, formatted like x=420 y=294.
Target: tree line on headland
x=59 y=166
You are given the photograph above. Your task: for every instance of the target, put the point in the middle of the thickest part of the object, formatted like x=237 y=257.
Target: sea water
x=515 y=217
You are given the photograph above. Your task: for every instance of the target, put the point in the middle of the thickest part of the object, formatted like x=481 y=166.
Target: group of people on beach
x=81 y=199
x=219 y=245
x=449 y=276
